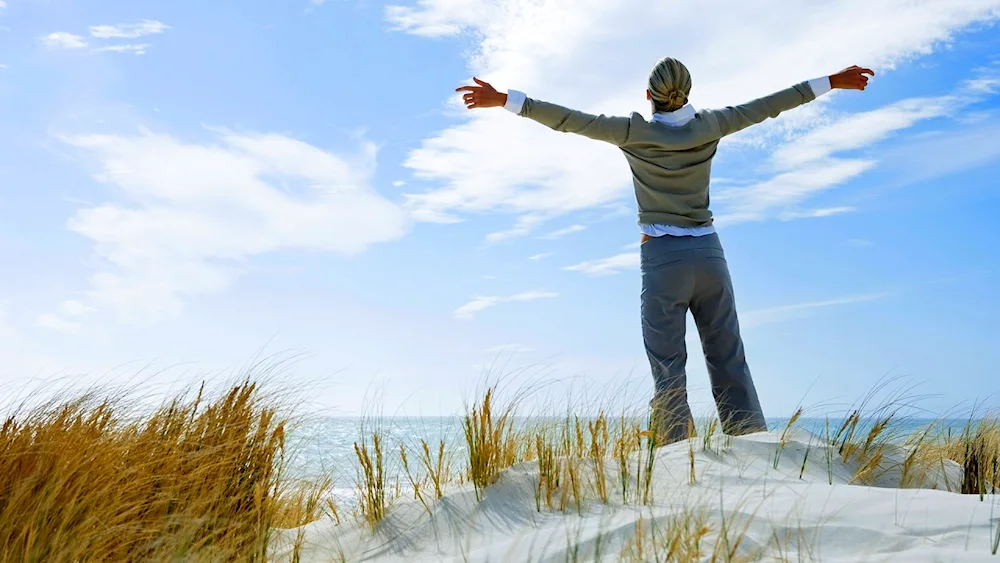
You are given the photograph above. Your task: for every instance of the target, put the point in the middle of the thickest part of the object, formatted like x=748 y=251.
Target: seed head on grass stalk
x=598 y=454
x=783 y=442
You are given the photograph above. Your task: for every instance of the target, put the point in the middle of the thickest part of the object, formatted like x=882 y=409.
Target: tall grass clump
x=599 y=440
x=976 y=448
x=84 y=479
x=372 y=480
x=491 y=441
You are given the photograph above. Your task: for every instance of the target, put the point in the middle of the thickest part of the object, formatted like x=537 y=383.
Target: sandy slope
x=785 y=517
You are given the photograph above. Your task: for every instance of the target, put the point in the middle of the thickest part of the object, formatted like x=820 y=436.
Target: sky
x=187 y=186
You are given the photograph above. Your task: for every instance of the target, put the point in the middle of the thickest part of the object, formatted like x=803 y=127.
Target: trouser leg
x=666 y=288
x=713 y=305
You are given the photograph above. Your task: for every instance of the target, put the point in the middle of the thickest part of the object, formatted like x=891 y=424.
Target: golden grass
x=372 y=480
x=203 y=479
x=492 y=444
x=195 y=480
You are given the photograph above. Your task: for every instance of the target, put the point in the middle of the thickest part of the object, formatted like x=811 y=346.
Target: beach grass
x=204 y=476
x=199 y=478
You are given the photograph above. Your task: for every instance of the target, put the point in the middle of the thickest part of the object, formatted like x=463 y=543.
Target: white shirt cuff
x=515 y=101
x=820 y=86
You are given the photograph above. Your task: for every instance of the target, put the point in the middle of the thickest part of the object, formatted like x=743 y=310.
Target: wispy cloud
x=524 y=226
x=541 y=256
x=59 y=322
x=607 y=266
x=860 y=242
x=813 y=163
x=787 y=312
x=129 y=30
x=481 y=303
x=759 y=201
x=859 y=130
x=824 y=212
x=954 y=151
x=563 y=232
x=138 y=49
x=189 y=215
x=63 y=40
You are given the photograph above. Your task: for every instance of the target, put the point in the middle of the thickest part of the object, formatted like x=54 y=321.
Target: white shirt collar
x=677 y=117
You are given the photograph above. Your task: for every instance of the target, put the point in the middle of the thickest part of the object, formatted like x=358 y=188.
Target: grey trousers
x=690 y=273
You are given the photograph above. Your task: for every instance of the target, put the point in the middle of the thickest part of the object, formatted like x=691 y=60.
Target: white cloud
x=398 y=183
x=607 y=266
x=3 y=67
x=860 y=242
x=787 y=189
x=57 y=323
x=539 y=172
x=563 y=232
x=128 y=31
x=76 y=309
x=63 y=40
x=810 y=163
x=437 y=18
x=541 y=256
x=524 y=226
x=481 y=303
x=786 y=312
x=138 y=49
x=953 y=151
x=196 y=212
x=860 y=130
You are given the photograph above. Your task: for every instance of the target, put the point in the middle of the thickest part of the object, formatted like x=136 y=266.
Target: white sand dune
x=775 y=514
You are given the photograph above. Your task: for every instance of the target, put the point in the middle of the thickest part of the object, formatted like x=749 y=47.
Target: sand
x=749 y=509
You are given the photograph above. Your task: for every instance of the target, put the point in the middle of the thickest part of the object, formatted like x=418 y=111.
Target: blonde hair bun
x=669 y=85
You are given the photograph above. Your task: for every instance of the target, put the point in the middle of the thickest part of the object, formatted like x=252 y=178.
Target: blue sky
x=186 y=184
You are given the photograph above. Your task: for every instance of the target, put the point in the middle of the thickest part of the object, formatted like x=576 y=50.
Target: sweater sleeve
x=614 y=130
x=733 y=119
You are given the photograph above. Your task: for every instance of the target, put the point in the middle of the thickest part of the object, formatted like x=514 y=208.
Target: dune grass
x=196 y=479
x=203 y=478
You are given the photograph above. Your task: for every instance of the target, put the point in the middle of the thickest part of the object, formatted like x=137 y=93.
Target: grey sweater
x=671 y=166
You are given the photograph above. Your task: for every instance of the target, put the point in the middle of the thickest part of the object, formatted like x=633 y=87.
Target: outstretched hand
x=482 y=96
x=851 y=78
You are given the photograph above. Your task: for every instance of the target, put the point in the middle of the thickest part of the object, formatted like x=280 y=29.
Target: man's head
x=669 y=85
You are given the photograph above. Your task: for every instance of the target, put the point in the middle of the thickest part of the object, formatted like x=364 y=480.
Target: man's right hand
x=851 y=78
